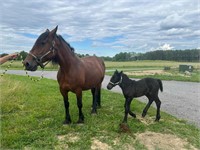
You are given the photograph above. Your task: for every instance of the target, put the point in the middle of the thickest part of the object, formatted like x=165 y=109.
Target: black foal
x=132 y=89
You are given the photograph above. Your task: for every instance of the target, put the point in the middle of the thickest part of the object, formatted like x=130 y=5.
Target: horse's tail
x=160 y=84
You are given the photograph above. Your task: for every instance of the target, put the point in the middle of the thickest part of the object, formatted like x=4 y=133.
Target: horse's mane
x=62 y=39
x=55 y=60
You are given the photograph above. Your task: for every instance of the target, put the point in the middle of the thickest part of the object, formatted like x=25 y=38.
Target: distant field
x=136 y=69
x=129 y=64
x=148 y=63
x=155 y=69
x=32 y=114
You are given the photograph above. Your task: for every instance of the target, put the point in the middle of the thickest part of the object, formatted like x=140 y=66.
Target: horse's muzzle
x=30 y=66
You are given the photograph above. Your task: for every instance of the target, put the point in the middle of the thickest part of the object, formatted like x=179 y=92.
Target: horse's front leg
x=80 y=105
x=127 y=109
x=66 y=103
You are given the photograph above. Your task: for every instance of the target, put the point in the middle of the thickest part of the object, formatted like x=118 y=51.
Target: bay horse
x=132 y=89
x=74 y=75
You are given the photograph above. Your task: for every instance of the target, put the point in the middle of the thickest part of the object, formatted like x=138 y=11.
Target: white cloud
x=140 y=24
x=165 y=47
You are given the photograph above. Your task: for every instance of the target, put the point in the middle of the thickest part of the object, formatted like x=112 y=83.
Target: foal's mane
x=126 y=79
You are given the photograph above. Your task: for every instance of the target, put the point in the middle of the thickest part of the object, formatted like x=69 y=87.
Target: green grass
x=32 y=114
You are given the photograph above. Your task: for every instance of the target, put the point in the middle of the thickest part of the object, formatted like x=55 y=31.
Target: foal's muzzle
x=109 y=86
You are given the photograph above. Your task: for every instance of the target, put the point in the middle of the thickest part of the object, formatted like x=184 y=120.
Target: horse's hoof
x=93 y=112
x=98 y=106
x=67 y=122
x=80 y=122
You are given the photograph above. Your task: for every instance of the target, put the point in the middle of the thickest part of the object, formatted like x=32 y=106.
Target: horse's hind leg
x=93 y=95
x=79 y=103
x=99 y=97
x=147 y=106
x=94 y=100
x=158 y=103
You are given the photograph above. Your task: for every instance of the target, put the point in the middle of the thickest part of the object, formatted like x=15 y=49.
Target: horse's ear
x=53 y=32
x=121 y=72
x=116 y=70
x=47 y=30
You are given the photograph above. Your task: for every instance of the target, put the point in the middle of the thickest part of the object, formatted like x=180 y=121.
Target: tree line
x=190 y=55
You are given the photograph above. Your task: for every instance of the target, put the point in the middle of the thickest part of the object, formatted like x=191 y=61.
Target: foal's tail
x=160 y=84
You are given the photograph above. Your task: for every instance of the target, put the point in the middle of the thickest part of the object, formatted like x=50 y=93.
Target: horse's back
x=94 y=69
x=93 y=63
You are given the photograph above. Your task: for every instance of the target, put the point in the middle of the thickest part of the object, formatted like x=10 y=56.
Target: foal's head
x=42 y=51
x=116 y=79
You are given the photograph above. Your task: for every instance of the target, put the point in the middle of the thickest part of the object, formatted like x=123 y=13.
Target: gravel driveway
x=180 y=99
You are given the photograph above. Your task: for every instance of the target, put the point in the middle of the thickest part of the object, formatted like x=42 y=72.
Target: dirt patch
x=147 y=72
x=146 y=120
x=62 y=146
x=98 y=145
x=152 y=141
x=71 y=137
x=63 y=139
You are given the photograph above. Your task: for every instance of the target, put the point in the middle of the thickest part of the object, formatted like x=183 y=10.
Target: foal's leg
x=130 y=112
x=158 y=103
x=147 y=106
x=79 y=104
x=66 y=103
x=127 y=109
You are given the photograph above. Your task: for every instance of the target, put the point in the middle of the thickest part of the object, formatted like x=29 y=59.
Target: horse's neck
x=66 y=58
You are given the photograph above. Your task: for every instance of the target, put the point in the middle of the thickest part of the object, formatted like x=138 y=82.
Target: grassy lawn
x=32 y=114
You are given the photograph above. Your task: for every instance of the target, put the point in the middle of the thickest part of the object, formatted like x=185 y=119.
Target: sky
x=102 y=27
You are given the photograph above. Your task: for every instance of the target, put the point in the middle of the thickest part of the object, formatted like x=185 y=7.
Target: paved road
x=180 y=99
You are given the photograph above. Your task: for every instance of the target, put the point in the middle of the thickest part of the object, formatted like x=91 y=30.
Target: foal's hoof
x=157 y=119
x=143 y=114
x=133 y=115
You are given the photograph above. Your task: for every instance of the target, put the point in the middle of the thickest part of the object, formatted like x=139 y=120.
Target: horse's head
x=116 y=79
x=42 y=51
